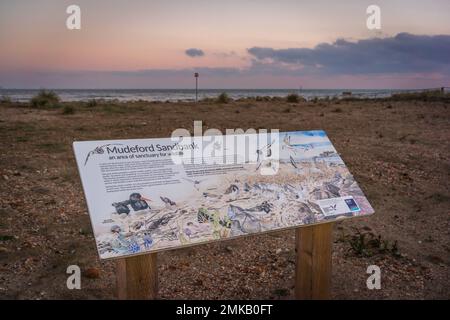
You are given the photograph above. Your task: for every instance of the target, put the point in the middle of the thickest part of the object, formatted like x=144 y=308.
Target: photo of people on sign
x=140 y=200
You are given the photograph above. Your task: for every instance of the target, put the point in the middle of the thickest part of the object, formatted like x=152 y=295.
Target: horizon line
x=202 y=89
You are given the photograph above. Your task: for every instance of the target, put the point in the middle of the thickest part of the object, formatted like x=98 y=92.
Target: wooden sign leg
x=137 y=277
x=313 y=262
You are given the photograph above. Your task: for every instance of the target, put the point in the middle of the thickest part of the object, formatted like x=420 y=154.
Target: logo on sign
x=352 y=205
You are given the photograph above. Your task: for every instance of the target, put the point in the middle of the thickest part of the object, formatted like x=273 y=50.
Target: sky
x=232 y=44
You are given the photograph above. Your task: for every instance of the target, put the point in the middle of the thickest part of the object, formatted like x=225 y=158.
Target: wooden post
x=137 y=277
x=313 y=262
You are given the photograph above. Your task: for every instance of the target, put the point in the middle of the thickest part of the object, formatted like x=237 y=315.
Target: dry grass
x=407 y=184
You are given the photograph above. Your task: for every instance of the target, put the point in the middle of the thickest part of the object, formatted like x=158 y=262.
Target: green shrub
x=6 y=237
x=425 y=95
x=113 y=109
x=92 y=103
x=5 y=99
x=367 y=244
x=45 y=99
x=207 y=100
x=68 y=110
x=223 y=98
x=293 y=98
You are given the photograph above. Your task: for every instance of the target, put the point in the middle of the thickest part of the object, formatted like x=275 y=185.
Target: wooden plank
x=137 y=277
x=313 y=261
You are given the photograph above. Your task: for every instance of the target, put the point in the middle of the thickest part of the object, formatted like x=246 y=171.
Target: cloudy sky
x=232 y=44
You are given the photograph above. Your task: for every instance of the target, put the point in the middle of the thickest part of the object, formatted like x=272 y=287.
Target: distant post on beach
x=196 y=86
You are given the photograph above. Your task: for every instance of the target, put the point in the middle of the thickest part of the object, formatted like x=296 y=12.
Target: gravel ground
x=398 y=152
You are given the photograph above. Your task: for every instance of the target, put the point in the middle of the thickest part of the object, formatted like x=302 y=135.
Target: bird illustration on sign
x=100 y=150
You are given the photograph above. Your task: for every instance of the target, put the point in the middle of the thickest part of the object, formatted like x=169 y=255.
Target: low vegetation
x=223 y=98
x=208 y=100
x=293 y=98
x=53 y=147
x=5 y=99
x=68 y=110
x=91 y=103
x=45 y=99
x=367 y=244
x=432 y=95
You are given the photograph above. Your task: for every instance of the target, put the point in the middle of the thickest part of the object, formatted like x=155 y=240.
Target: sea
x=24 y=95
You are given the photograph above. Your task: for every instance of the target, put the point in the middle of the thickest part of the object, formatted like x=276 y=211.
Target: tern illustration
x=259 y=152
x=169 y=203
x=195 y=182
x=267 y=147
x=293 y=162
x=295 y=147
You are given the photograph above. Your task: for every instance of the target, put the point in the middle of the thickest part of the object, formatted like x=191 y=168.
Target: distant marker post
x=196 y=86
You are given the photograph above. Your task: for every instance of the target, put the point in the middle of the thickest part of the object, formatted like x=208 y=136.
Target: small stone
x=40 y=190
x=198 y=282
x=229 y=249
x=278 y=251
x=92 y=273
